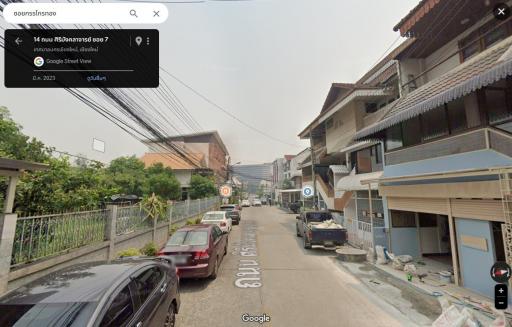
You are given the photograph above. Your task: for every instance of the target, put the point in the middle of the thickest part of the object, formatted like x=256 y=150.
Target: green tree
x=127 y=174
x=162 y=182
x=61 y=188
x=260 y=191
x=201 y=186
x=287 y=184
x=16 y=145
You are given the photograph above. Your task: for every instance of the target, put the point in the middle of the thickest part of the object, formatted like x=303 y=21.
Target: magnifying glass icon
x=133 y=13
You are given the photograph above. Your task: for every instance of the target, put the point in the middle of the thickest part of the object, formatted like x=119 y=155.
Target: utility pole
x=313 y=175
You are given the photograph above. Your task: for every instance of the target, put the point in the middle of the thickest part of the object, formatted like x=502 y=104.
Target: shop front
x=453 y=224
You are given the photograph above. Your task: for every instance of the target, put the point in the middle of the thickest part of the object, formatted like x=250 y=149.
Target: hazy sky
x=269 y=62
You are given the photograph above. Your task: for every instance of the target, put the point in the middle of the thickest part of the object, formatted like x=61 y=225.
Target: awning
x=339 y=169
x=482 y=70
x=359 y=182
x=290 y=191
x=12 y=165
x=357 y=146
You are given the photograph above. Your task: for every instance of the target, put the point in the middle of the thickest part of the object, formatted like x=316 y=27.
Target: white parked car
x=256 y=203
x=219 y=218
x=246 y=203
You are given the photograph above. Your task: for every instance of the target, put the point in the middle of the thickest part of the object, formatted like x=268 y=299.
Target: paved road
x=298 y=287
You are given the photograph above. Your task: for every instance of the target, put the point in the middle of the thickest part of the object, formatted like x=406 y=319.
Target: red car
x=197 y=250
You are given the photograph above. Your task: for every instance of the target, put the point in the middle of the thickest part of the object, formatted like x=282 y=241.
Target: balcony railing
x=479 y=139
x=465 y=142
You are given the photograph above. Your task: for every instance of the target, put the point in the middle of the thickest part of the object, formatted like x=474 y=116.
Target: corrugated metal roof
x=484 y=69
x=339 y=169
x=353 y=182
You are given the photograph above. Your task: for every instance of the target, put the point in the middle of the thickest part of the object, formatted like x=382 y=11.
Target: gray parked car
x=126 y=292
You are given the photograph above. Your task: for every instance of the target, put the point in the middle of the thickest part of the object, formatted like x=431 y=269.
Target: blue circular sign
x=307 y=191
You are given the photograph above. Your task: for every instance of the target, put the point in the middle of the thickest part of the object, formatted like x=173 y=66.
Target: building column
x=7 y=233
x=110 y=231
x=453 y=243
x=371 y=213
x=10 y=193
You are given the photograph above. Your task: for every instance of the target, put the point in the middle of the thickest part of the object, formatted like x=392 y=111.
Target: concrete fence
x=31 y=247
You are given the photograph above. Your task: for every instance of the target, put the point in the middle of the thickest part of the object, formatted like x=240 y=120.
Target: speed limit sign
x=225 y=191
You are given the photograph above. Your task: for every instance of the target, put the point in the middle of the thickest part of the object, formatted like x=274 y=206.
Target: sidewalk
x=418 y=306
x=419 y=300
x=460 y=296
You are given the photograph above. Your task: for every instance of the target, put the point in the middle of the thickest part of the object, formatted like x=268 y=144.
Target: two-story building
x=448 y=140
x=207 y=148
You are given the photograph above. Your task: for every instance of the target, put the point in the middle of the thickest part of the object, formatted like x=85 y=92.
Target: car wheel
x=170 y=319
x=215 y=269
x=306 y=244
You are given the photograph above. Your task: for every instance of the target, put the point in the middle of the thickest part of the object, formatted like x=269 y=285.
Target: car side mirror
x=297 y=217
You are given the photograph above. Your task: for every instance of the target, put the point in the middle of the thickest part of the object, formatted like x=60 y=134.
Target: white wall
x=344 y=126
x=416 y=66
x=183 y=177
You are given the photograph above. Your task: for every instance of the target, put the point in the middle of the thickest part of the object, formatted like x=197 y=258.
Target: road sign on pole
x=225 y=191
x=307 y=191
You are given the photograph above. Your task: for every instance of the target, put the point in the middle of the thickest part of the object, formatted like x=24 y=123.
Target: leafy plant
x=130 y=252
x=153 y=206
x=149 y=249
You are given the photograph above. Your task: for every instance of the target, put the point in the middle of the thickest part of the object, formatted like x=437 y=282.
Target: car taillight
x=161 y=252
x=223 y=224
x=201 y=255
x=309 y=234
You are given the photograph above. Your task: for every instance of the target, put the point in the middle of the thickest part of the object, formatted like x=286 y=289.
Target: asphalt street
x=267 y=271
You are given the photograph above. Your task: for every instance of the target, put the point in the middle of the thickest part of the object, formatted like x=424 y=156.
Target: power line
x=227 y=112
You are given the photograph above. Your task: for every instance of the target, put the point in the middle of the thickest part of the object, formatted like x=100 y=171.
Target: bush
x=198 y=220
x=149 y=249
x=191 y=222
x=130 y=252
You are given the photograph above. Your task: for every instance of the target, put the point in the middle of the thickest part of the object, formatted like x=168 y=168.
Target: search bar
x=85 y=13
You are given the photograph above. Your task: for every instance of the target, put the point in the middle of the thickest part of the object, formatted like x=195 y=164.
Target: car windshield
x=227 y=208
x=192 y=237
x=46 y=314
x=213 y=216
x=318 y=216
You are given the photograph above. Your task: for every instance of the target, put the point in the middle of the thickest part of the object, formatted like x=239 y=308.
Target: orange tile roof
x=172 y=160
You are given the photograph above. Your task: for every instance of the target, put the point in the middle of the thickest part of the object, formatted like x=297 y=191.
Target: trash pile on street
x=453 y=317
x=457 y=311
x=327 y=224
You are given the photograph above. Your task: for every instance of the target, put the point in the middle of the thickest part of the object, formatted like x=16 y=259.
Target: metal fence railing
x=41 y=236
x=184 y=210
x=131 y=219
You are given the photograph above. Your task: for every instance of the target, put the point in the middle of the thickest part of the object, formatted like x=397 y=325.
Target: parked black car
x=295 y=206
x=232 y=212
x=126 y=292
